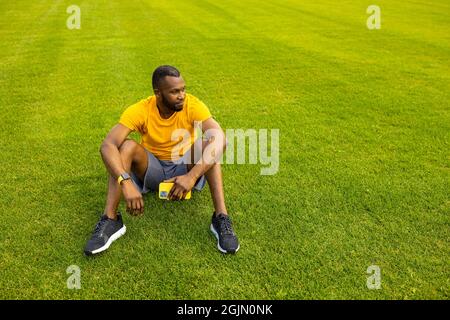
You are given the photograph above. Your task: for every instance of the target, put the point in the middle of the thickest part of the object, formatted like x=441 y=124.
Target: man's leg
x=111 y=227
x=221 y=226
x=214 y=178
x=134 y=157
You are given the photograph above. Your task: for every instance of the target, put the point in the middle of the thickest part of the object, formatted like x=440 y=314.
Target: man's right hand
x=133 y=198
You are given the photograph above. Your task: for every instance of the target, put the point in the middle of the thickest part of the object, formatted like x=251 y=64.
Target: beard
x=171 y=106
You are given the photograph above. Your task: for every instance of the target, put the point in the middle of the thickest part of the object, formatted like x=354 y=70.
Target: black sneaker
x=106 y=231
x=227 y=242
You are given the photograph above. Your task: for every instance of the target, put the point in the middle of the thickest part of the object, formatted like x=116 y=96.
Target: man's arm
x=214 y=149
x=109 y=149
x=111 y=158
x=210 y=155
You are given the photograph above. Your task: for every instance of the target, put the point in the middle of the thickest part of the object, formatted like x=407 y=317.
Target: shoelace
x=99 y=227
x=225 y=225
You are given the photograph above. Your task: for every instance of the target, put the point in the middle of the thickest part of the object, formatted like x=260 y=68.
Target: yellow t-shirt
x=164 y=137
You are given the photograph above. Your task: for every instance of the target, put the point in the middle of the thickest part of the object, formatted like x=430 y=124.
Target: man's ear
x=157 y=93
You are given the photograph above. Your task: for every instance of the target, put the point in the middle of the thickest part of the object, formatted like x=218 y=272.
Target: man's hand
x=133 y=198
x=182 y=185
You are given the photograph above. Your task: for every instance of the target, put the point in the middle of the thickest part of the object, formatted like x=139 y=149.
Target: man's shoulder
x=191 y=98
x=193 y=102
x=143 y=103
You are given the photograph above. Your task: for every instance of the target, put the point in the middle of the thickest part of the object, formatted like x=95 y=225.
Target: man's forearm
x=112 y=160
x=199 y=169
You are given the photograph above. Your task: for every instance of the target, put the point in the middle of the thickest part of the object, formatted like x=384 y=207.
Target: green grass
x=364 y=123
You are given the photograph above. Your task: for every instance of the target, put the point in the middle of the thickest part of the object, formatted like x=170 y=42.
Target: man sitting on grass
x=135 y=169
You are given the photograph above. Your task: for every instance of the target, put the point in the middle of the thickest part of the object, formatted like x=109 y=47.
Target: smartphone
x=164 y=189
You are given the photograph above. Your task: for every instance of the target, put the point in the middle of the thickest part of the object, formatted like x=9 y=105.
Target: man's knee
x=132 y=151
x=128 y=148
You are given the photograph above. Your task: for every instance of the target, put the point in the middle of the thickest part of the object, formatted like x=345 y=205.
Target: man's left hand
x=182 y=185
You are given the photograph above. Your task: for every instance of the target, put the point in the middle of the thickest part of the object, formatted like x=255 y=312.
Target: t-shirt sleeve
x=199 y=111
x=134 y=117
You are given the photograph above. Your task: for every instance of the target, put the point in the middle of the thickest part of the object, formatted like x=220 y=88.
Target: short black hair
x=161 y=72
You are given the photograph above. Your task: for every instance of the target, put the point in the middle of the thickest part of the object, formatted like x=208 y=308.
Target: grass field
x=364 y=120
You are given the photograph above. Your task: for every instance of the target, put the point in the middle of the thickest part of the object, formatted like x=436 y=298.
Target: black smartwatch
x=122 y=177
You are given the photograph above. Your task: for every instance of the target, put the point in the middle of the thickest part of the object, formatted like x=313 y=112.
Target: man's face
x=172 y=93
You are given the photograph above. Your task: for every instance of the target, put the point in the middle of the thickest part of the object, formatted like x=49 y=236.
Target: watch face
x=126 y=176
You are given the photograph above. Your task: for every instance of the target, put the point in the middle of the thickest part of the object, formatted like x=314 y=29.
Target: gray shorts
x=160 y=170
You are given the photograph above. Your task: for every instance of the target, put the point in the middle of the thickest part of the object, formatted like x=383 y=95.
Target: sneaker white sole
x=111 y=239
x=211 y=227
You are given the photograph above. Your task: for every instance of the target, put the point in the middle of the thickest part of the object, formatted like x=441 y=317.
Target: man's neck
x=164 y=112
